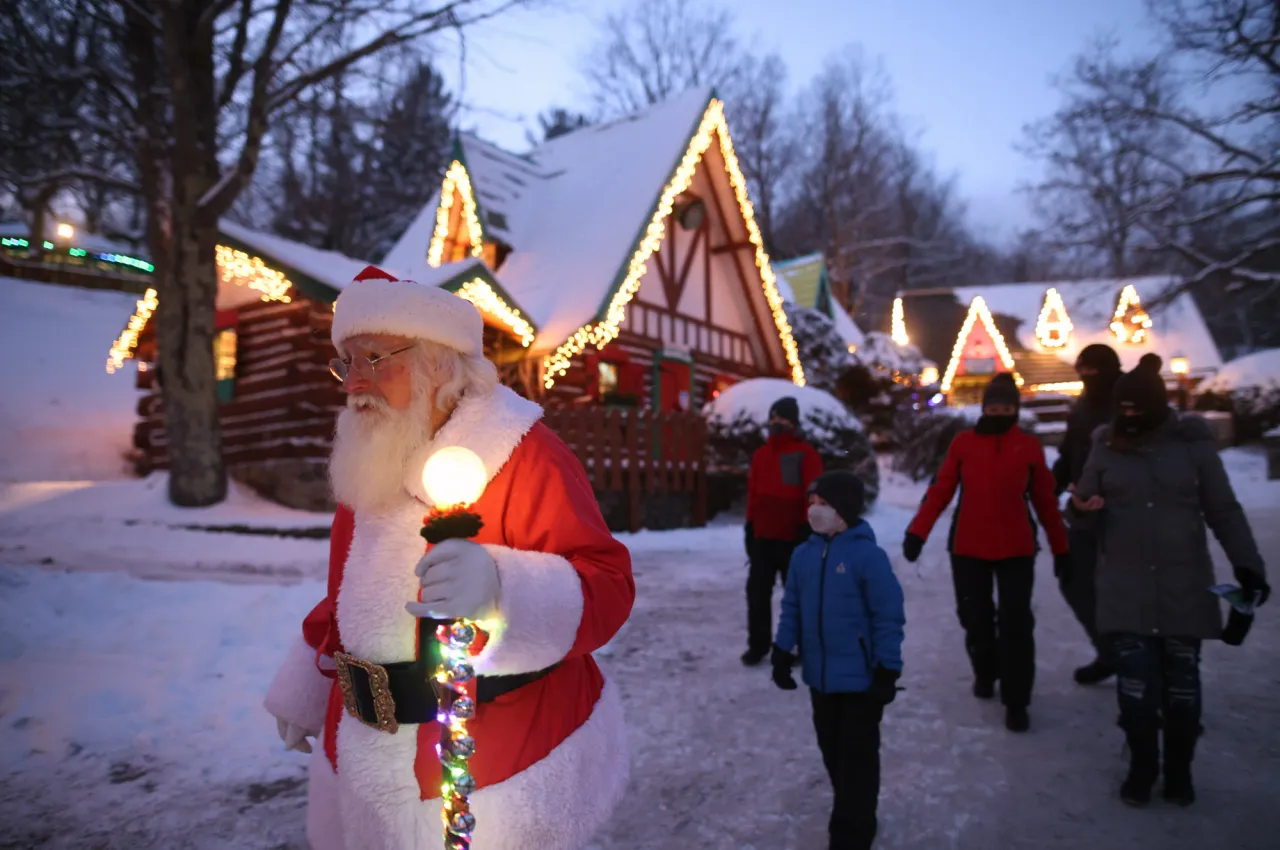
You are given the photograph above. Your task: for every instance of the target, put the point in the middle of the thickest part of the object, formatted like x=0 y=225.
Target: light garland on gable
x=1064 y=387
x=978 y=311
x=602 y=333
x=237 y=268
x=455 y=179
x=898 y=330
x=1130 y=322
x=1053 y=327
x=124 y=346
x=486 y=300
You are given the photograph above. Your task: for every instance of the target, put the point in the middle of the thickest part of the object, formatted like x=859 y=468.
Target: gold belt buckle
x=384 y=705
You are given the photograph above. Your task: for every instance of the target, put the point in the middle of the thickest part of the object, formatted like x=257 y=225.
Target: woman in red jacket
x=998 y=468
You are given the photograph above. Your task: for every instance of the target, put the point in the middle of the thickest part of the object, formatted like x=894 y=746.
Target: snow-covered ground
x=130 y=709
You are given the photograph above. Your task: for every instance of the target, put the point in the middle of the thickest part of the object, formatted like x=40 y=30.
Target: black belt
x=386 y=695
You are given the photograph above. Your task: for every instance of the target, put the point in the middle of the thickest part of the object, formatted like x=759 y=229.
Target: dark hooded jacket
x=1154 y=570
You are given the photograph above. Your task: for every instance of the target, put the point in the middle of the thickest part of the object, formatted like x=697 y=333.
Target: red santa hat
x=376 y=303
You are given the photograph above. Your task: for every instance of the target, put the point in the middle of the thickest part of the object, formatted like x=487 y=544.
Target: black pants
x=998 y=637
x=769 y=559
x=1158 y=682
x=1079 y=588
x=848 y=727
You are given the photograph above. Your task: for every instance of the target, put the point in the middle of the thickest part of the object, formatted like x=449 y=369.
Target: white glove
x=294 y=737
x=459 y=579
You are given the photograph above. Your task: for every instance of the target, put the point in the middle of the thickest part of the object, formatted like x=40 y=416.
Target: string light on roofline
x=898 y=329
x=1064 y=387
x=455 y=178
x=978 y=311
x=237 y=268
x=1131 y=329
x=124 y=346
x=602 y=333
x=488 y=301
x=1053 y=327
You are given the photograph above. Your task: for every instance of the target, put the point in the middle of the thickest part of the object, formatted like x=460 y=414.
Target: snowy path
x=129 y=717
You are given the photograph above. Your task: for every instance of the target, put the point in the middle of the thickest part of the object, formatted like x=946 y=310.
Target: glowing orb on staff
x=454 y=479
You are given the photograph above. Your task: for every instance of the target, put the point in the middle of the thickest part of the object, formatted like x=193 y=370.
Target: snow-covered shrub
x=881 y=354
x=823 y=352
x=737 y=425
x=1249 y=389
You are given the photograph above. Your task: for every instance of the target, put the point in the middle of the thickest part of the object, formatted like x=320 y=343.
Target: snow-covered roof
x=754 y=397
x=330 y=268
x=573 y=209
x=1177 y=327
x=1260 y=369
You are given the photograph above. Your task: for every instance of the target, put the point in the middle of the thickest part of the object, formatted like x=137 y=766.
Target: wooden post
x=698 y=465
x=596 y=430
x=633 y=469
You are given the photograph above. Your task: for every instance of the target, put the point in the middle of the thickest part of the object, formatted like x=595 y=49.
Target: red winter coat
x=997 y=475
x=777 y=487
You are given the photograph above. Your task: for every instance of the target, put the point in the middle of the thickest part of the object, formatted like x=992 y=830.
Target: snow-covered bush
x=1249 y=389
x=823 y=352
x=880 y=353
x=737 y=425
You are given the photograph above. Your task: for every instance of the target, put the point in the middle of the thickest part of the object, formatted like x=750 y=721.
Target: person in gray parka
x=1157 y=480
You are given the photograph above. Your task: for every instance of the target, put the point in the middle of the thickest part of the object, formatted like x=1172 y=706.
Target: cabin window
x=224 y=362
x=607 y=378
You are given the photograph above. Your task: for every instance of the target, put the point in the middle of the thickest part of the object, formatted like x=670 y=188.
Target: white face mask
x=824 y=520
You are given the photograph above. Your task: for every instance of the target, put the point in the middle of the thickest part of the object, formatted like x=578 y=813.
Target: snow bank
x=973 y=412
x=754 y=397
x=63 y=417
x=1260 y=369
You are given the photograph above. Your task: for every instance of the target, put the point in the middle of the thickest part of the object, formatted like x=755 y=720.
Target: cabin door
x=673 y=384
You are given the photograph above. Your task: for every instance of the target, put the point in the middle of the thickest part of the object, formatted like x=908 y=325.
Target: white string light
x=978 y=312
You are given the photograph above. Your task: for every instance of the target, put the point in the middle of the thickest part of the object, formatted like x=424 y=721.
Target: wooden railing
x=638 y=452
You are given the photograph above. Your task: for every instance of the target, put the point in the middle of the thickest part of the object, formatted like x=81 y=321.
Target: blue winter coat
x=843 y=608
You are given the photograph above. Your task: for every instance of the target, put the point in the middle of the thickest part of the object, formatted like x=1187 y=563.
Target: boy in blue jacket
x=843 y=609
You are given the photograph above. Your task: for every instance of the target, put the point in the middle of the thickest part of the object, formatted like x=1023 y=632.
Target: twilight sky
x=968 y=74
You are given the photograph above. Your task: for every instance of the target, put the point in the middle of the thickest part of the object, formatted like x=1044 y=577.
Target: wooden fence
x=638 y=453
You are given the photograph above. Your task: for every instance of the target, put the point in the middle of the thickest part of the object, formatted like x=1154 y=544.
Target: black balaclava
x=843 y=491
x=1141 y=390
x=786 y=408
x=1099 y=389
x=1003 y=389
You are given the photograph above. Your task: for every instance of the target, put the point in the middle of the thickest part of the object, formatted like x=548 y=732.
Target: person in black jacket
x=1099 y=368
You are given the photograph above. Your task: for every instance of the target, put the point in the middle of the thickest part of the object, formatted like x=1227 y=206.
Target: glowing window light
x=486 y=300
x=1053 y=327
x=124 y=346
x=898 y=330
x=65 y=231
x=977 y=312
x=601 y=334
x=1130 y=322
x=455 y=179
x=1065 y=387
x=237 y=268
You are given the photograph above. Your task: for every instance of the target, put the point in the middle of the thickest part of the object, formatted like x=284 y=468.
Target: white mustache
x=360 y=403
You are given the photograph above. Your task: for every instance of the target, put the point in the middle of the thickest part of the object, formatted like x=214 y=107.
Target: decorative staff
x=454 y=479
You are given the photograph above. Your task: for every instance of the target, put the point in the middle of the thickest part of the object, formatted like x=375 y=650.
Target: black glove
x=912 y=544
x=749 y=535
x=781 y=661
x=1251 y=583
x=884 y=684
x=1062 y=566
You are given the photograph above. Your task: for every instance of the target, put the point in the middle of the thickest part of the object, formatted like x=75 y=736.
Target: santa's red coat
x=548 y=754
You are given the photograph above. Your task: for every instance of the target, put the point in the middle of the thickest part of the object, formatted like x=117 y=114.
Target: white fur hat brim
x=376 y=303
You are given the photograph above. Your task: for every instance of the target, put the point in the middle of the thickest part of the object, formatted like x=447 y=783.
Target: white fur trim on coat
x=324 y=820
x=409 y=309
x=558 y=803
x=299 y=693
x=539 y=610
x=491 y=425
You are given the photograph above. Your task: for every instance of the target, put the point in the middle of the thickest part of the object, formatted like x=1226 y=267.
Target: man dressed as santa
x=544 y=575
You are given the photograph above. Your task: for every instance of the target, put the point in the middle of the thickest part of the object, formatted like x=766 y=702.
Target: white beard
x=371 y=450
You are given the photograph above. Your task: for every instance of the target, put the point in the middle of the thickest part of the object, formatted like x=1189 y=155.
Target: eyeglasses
x=340 y=368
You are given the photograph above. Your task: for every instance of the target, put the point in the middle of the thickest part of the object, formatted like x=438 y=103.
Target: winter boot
x=984 y=688
x=1094 y=672
x=1016 y=718
x=751 y=659
x=1144 y=765
x=1179 y=750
